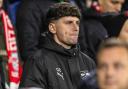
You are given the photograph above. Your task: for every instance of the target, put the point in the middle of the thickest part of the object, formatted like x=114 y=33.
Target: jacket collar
x=50 y=44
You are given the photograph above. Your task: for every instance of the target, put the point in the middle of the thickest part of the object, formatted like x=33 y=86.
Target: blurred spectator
x=112 y=64
x=83 y=4
x=88 y=3
x=93 y=30
x=111 y=5
x=59 y=64
x=9 y=60
x=1 y=3
x=30 y=24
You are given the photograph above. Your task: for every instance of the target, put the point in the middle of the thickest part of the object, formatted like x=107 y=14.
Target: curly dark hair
x=62 y=9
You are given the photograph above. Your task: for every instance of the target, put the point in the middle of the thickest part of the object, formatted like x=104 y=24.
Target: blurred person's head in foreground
x=112 y=64
x=111 y=5
x=63 y=23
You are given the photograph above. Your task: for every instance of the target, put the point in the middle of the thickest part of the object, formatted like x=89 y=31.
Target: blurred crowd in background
x=11 y=6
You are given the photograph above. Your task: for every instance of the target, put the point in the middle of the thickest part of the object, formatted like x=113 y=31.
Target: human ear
x=52 y=28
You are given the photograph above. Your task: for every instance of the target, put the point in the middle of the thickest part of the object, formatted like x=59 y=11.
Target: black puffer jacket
x=96 y=27
x=30 y=23
x=55 y=67
x=92 y=32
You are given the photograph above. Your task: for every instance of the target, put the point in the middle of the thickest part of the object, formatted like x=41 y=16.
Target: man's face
x=111 y=5
x=112 y=69
x=65 y=30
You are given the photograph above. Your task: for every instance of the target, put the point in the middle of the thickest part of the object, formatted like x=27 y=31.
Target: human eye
x=78 y=22
x=118 y=66
x=68 y=22
x=114 y=2
x=102 y=67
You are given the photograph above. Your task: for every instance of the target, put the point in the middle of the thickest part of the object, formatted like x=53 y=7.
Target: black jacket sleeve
x=28 y=25
x=34 y=73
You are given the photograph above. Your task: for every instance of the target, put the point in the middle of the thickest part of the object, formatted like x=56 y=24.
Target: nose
x=118 y=7
x=76 y=26
x=109 y=72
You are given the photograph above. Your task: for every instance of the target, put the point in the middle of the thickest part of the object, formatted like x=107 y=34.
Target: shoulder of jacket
x=89 y=61
x=39 y=54
x=42 y=54
x=85 y=56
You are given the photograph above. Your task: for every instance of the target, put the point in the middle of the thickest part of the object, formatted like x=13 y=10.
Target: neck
x=62 y=44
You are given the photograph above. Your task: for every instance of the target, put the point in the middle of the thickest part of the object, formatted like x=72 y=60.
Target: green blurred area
x=2 y=40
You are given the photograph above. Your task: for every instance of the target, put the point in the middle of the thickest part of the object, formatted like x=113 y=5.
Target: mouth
x=110 y=83
x=76 y=34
